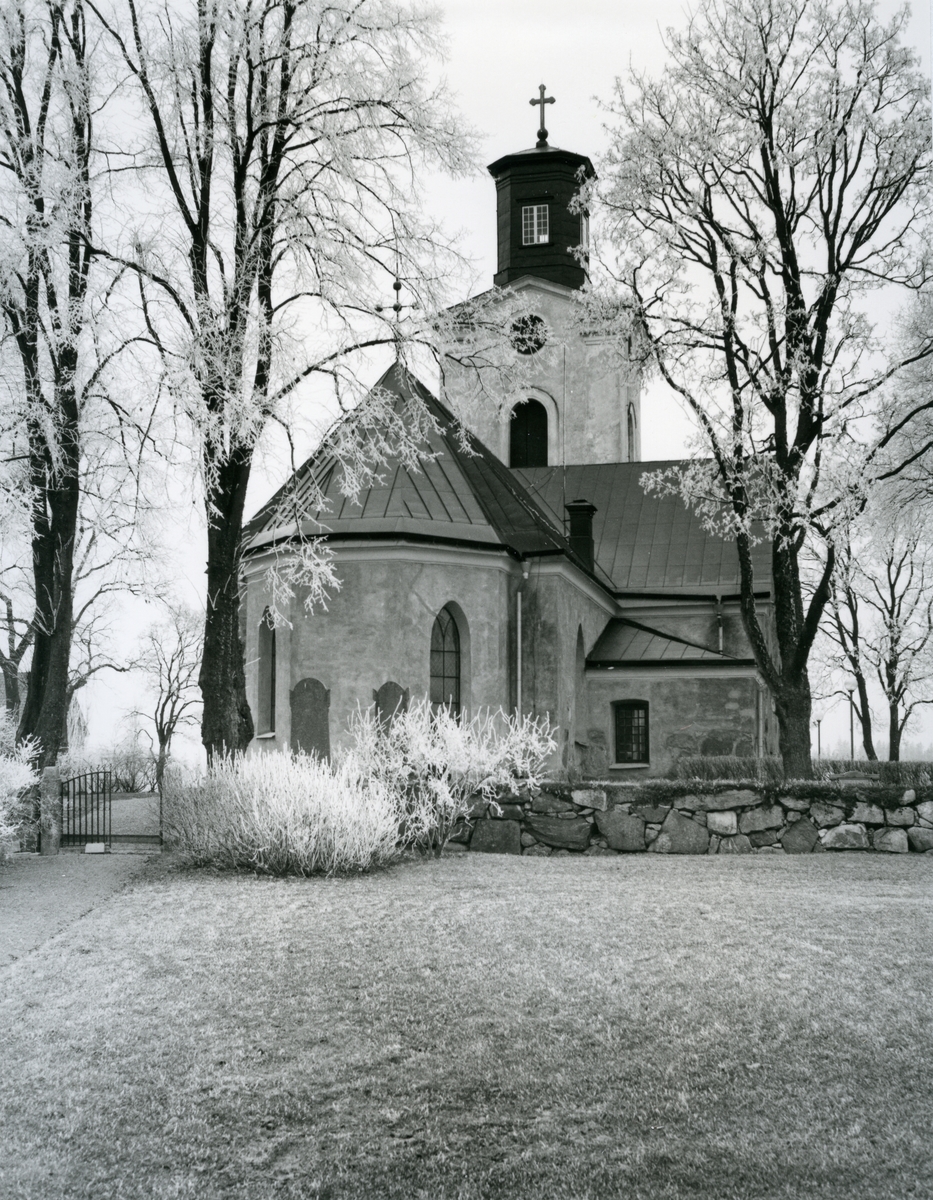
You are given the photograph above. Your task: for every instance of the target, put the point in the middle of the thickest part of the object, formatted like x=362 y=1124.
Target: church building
x=529 y=570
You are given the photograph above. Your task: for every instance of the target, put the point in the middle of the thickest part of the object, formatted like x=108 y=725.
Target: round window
x=528 y=334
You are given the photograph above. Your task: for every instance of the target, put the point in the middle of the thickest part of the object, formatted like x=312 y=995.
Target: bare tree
x=762 y=196
x=284 y=145
x=846 y=632
x=56 y=351
x=45 y=124
x=882 y=621
x=171 y=661
x=18 y=632
x=115 y=554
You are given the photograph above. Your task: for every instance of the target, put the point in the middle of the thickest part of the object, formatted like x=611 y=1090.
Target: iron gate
x=86 y=804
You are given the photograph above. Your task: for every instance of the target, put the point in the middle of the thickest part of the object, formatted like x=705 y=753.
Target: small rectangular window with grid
x=631 y=721
x=534 y=225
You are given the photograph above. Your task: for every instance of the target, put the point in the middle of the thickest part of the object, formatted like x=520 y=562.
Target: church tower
x=583 y=403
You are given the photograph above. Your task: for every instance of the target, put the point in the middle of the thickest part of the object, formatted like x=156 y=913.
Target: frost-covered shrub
x=17 y=775
x=403 y=784
x=436 y=763
x=282 y=814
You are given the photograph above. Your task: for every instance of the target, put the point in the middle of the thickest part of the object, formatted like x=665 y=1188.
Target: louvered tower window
x=445 y=663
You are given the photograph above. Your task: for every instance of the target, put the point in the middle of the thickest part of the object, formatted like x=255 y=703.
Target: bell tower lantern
x=536 y=231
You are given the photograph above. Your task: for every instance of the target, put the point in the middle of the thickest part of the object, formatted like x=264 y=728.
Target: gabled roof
x=649 y=544
x=462 y=494
x=628 y=643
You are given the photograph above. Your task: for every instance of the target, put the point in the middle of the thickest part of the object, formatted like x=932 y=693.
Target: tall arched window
x=445 y=663
x=528 y=435
x=265 y=722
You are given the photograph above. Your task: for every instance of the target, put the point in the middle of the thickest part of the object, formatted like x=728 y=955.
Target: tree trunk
x=795 y=630
x=227 y=724
x=10 y=687
x=161 y=762
x=864 y=713
x=45 y=712
x=794 y=707
x=894 y=732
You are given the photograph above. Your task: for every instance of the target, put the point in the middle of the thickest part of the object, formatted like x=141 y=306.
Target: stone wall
x=614 y=818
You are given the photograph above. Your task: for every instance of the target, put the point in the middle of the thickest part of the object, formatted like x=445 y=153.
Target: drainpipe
x=518 y=642
x=719 y=620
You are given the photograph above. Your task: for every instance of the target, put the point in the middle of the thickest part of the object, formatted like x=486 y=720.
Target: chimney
x=581 y=530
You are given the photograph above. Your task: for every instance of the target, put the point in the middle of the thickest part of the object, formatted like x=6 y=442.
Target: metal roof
x=461 y=493
x=625 y=642
x=645 y=543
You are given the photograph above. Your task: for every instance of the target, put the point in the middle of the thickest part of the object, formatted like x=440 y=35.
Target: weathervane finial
x=540 y=102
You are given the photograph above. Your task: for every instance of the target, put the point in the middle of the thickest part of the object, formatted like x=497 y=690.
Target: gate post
x=50 y=811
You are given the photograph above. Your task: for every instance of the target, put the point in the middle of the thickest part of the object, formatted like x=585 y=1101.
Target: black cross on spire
x=541 y=101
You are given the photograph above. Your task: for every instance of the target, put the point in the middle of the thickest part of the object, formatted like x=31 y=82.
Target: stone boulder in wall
x=766 y=816
x=735 y=845
x=497 y=837
x=680 y=835
x=825 y=815
x=893 y=841
x=590 y=798
x=846 y=837
x=621 y=831
x=651 y=814
x=546 y=802
x=719 y=801
x=920 y=840
x=800 y=838
x=570 y=834
x=723 y=824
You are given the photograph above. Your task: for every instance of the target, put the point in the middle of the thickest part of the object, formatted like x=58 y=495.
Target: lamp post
x=819 y=752
x=851 y=726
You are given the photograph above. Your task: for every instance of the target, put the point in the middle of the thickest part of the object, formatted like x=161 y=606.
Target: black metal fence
x=86 y=809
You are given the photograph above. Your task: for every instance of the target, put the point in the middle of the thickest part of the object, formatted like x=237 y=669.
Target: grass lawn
x=643 y=1027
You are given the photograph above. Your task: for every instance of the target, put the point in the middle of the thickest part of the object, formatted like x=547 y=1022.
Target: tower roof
x=536 y=233
x=538 y=156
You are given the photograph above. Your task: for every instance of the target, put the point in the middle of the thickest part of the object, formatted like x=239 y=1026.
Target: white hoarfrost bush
x=17 y=775
x=404 y=783
x=438 y=763
x=282 y=814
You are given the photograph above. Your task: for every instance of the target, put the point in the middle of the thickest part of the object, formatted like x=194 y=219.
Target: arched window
x=631 y=433
x=265 y=722
x=528 y=435
x=445 y=663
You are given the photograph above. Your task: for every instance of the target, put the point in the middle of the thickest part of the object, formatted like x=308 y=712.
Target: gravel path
x=40 y=897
